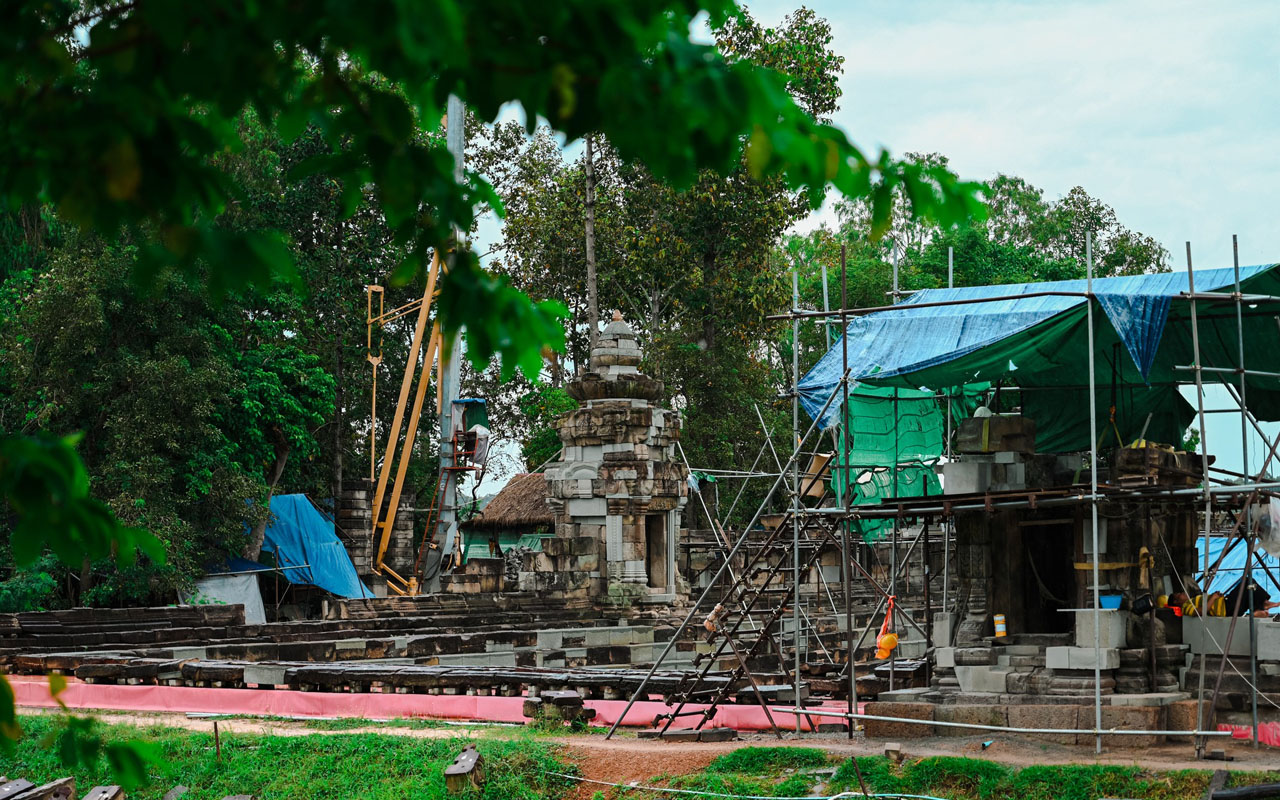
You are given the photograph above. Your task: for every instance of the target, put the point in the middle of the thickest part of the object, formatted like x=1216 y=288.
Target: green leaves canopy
x=113 y=111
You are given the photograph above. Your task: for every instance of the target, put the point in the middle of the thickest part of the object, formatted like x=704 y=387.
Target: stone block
x=1113 y=625
x=974 y=656
x=1148 y=699
x=1081 y=658
x=904 y=695
x=944 y=657
x=982 y=678
x=587 y=507
x=1181 y=715
x=882 y=729
x=1268 y=632
x=1134 y=718
x=1022 y=650
x=970 y=715
x=1045 y=716
x=263 y=675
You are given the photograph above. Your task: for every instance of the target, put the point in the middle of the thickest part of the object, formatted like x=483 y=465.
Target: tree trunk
x=709 y=316
x=593 y=310
x=336 y=469
x=254 y=548
x=339 y=343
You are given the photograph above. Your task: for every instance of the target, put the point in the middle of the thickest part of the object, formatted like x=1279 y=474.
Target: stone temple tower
x=620 y=480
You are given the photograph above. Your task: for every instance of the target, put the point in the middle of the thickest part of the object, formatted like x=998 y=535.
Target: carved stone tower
x=620 y=479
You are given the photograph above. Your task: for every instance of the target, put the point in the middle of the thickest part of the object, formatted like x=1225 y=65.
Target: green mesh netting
x=897 y=437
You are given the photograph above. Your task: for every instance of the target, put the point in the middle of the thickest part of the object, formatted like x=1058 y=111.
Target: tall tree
x=589 y=224
x=688 y=265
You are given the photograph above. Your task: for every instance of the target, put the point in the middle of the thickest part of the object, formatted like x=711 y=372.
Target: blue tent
x=301 y=536
x=1034 y=338
x=1232 y=568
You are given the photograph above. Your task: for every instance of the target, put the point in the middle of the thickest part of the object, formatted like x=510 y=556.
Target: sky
x=1168 y=111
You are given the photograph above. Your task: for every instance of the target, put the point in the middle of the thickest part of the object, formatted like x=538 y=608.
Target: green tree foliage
x=687 y=264
x=1023 y=238
x=116 y=114
x=541 y=406
x=185 y=408
x=98 y=98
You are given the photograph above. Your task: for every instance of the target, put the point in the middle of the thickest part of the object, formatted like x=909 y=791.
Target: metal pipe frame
x=742 y=539
x=1093 y=507
x=1222 y=496
x=812 y=712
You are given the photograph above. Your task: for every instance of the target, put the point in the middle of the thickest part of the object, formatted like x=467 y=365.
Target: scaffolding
x=749 y=593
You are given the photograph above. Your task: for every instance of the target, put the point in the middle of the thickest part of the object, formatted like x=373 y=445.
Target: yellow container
x=1001 y=630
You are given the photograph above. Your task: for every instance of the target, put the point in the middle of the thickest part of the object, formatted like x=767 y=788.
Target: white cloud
x=1166 y=110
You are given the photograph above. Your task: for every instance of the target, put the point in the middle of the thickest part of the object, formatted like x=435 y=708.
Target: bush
x=28 y=590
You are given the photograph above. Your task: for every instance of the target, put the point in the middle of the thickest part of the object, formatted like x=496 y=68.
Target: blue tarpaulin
x=1232 y=568
x=301 y=536
x=1033 y=340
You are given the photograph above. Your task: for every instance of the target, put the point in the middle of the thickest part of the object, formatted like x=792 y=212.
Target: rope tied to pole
x=887 y=640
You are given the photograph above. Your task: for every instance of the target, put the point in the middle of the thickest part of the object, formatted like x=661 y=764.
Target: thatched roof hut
x=520 y=506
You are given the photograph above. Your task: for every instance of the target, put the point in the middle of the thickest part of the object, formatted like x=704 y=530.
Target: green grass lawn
x=372 y=766
x=798 y=771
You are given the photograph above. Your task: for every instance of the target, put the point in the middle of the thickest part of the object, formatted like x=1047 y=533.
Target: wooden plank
x=105 y=793
x=466 y=770
x=61 y=789
x=15 y=788
x=1216 y=783
x=1263 y=791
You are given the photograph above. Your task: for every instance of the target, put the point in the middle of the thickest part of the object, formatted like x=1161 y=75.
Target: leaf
x=57 y=685
x=9 y=729
x=129 y=761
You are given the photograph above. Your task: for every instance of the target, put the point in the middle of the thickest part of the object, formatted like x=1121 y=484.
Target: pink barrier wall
x=34 y=692
x=1268 y=732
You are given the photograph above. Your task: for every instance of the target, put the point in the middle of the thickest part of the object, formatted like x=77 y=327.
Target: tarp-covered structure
x=1033 y=337
x=307 y=548
x=233 y=582
x=1232 y=567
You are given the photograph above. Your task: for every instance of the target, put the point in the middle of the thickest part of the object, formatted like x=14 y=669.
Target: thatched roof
x=522 y=503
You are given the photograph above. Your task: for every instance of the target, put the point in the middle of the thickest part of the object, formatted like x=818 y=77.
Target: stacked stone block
x=355 y=524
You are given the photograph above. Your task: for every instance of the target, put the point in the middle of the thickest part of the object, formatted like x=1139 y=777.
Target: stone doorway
x=655 y=550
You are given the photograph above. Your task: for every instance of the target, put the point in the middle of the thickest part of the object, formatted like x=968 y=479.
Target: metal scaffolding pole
x=795 y=489
x=1247 y=581
x=846 y=568
x=948 y=524
x=826 y=307
x=1204 y=460
x=1093 y=510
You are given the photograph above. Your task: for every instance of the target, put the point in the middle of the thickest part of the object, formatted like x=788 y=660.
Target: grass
x=974 y=779
x=758 y=771
x=768 y=760
x=789 y=772
x=369 y=766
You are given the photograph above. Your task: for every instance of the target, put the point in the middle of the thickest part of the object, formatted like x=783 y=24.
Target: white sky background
x=1167 y=110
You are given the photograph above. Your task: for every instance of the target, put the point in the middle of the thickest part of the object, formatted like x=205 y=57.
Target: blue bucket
x=1110 y=601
